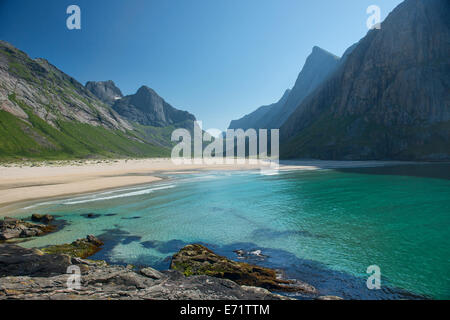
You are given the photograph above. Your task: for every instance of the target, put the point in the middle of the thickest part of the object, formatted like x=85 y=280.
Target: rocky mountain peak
x=106 y=91
x=146 y=107
x=145 y=90
x=318 y=51
x=389 y=99
x=319 y=65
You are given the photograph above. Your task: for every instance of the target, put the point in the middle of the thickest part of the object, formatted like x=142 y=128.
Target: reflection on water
x=323 y=227
x=436 y=170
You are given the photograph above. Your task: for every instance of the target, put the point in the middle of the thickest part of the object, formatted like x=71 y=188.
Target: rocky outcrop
x=11 y=228
x=18 y=261
x=32 y=275
x=147 y=108
x=198 y=260
x=106 y=91
x=390 y=99
x=81 y=248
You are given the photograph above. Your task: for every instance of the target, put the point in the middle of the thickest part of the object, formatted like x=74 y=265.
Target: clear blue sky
x=219 y=59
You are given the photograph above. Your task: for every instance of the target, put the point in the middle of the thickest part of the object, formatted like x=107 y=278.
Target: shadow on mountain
x=435 y=171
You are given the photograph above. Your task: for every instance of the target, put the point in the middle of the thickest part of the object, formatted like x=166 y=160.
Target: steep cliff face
x=147 y=108
x=390 y=99
x=45 y=113
x=260 y=117
x=319 y=65
x=105 y=91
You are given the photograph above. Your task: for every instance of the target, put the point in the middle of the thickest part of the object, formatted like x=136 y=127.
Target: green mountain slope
x=36 y=139
x=45 y=114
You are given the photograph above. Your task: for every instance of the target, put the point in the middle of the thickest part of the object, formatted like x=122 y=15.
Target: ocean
x=324 y=227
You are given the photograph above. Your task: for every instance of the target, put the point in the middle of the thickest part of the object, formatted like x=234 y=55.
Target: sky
x=218 y=59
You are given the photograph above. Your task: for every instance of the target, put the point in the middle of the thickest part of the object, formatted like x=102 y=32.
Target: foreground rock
x=329 y=298
x=81 y=248
x=32 y=275
x=18 y=261
x=11 y=228
x=199 y=260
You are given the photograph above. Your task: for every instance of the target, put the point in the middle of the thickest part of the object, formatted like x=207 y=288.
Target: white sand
x=25 y=183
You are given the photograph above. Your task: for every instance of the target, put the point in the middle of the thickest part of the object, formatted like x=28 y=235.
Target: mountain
x=46 y=114
x=319 y=65
x=146 y=107
x=390 y=99
x=106 y=91
x=152 y=117
x=258 y=118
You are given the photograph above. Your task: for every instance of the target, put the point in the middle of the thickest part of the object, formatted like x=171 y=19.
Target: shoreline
x=21 y=184
x=286 y=167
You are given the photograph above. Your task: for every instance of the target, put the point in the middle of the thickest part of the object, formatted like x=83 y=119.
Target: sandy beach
x=27 y=182
x=19 y=183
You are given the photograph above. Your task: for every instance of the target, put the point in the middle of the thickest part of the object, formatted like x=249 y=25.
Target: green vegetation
x=324 y=132
x=196 y=259
x=331 y=138
x=158 y=135
x=81 y=248
x=36 y=139
x=20 y=70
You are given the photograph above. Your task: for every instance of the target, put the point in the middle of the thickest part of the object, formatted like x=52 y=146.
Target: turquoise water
x=324 y=227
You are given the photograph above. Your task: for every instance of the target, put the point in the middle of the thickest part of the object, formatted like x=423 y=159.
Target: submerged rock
x=44 y=218
x=91 y=215
x=33 y=275
x=11 y=228
x=81 y=248
x=199 y=260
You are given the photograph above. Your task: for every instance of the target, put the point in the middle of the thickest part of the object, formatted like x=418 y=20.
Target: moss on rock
x=81 y=248
x=198 y=260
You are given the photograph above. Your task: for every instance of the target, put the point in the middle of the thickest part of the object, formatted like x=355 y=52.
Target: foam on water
x=121 y=195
